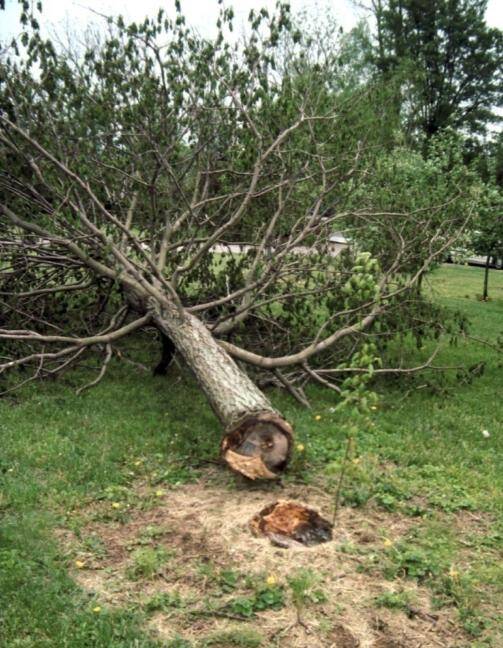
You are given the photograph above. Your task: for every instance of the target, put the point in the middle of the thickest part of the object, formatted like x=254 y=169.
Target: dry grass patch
x=191 y=562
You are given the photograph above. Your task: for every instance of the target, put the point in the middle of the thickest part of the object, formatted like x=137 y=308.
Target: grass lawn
x=118 y=528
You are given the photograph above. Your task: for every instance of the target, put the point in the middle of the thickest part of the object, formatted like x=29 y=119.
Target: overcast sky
x=200 y=13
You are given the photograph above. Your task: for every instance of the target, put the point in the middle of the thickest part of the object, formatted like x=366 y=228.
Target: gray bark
x=257 y=440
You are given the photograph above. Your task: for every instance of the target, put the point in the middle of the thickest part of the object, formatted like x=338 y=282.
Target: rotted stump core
x=259 y=445
x=289 y=524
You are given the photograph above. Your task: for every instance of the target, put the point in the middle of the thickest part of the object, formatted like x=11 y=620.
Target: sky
x=201 y=14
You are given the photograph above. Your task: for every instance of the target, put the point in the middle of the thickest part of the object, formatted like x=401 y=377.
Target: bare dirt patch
x=203 y=528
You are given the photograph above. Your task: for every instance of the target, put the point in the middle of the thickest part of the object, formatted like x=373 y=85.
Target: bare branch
x=295 y=392
x=108 y=357
x=113 y=336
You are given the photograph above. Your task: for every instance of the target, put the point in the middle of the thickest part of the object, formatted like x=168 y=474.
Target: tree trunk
x=485 y=292
x=257 y=440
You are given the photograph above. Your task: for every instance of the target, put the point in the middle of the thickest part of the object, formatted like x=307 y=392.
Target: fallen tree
x=128 y=167
x=257 y=441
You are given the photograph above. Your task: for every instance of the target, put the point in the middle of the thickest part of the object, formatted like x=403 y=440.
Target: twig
x=299 y=397
x=133 y=363
x=322 y=381
x=341 y=479
x=413 y=611
x=494 y=347
x=103 y=369
x=220 y=613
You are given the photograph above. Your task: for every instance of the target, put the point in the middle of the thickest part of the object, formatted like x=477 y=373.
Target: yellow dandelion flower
x=317 y=417
x=80 y=564
x=271 y=580
x=387 y=542
x=300 y=447
x=159 y=493
x=373 y=407
x=116 y=505
x=97 y=609
x=137 y=463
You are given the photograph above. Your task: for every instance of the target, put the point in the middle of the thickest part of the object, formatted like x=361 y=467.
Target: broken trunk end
x=258 y=446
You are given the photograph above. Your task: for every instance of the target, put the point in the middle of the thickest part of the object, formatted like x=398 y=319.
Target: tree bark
x=257 y=441
x=485 y=293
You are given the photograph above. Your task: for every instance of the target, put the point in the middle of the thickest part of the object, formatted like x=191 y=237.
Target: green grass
x=425 y=456
x=435 y=432
x=59 y=452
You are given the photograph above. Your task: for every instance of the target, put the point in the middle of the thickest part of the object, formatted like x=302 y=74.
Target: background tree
x=488 y=233
x=448 y=59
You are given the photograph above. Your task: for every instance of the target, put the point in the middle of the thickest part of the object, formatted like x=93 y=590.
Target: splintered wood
x=289 y=524
x=258 y=446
